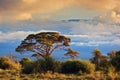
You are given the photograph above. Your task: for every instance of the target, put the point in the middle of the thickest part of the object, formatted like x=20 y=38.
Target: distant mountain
x=76 y=20
x=93 y=21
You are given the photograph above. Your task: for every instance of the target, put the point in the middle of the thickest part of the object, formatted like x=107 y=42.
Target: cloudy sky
x=89 y=23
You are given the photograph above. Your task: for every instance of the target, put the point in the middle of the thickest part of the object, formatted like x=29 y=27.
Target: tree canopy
x=115 y=60
x=96 y=56
x=43 y=44
x=71 y=53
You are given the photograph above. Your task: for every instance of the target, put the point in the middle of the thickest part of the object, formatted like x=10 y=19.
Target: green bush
x=47 y=64
x=24 y=60
x=115 y=61
x=76 y=66
x=6 y=63
x=103 y=66
x=27 y=65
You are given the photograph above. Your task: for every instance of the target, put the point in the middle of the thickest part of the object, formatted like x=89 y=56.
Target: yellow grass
x=12 y=75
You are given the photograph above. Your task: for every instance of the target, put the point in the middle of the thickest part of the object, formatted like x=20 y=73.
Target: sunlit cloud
x=28 y=9
x=31 y=16
x=77 y=36
x=97 y=43
x=13 y=35
x=25 y=9
x=23 y=16
x=90 y=34
x=82 y=34
x=18 y=35
x=109 y=17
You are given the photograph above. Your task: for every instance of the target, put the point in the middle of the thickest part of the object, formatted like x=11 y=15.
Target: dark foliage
x=76 y=66
x=47 y=64
x=115 y=61
x=27 y=65
x=103 y=66
x=101 y=61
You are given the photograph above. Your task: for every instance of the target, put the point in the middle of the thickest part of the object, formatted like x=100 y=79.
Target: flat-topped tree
x=71 y=53
x=43 y=44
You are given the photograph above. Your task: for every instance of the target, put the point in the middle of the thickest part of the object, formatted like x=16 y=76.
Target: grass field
x=14 y=75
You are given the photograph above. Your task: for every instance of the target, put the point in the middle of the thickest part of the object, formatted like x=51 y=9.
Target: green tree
x=71 y=53
x=43 y=44
x=115 y=61
x=101 y=61
x=111 y=54
x=96 y=56
x=104 y=64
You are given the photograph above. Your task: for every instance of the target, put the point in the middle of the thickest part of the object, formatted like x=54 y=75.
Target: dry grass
x=13 y=75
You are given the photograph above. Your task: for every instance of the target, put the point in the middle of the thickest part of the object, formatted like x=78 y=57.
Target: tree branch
x=57 y=46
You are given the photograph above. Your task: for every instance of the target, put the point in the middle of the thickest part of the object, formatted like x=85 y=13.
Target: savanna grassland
x=98 y=67
x=50 y=69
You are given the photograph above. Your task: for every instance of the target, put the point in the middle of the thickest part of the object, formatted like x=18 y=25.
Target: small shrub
x=112 y=73
x=115 y=61
x=48 y=64
x=76 y=66
x=103 y=66
x=80 y=72
x=24 y=60
x=27 y=65
x=52 y=65
x=6 y=63
x=117 y=78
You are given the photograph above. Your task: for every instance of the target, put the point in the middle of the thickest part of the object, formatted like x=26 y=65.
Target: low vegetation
x=78 y=67
x=27 y=69
x=7 y=63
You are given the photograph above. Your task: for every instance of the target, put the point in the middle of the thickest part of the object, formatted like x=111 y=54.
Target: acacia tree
x=43 y=44
x=71 y=53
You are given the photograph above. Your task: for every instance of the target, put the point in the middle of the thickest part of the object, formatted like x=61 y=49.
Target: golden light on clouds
x=115 y=16
x=23 y=16
x=26 y=9
x=0 y=18
x=29 y=1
